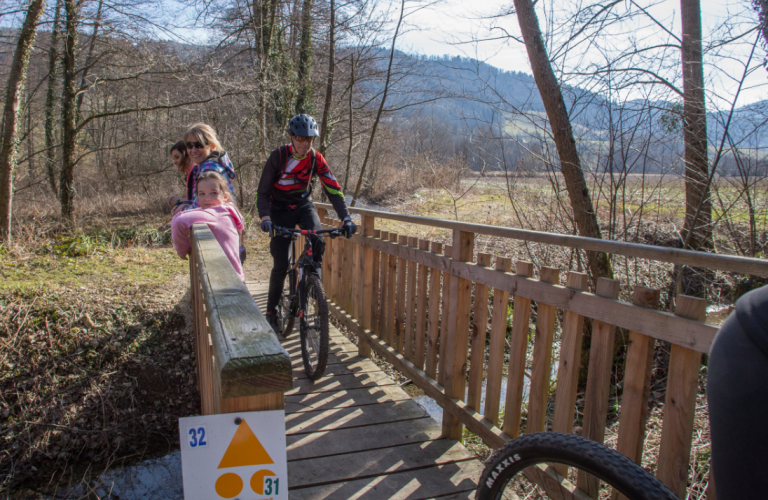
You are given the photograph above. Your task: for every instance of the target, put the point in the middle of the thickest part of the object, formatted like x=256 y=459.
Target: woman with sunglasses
x=205 y=151
x=284 y=198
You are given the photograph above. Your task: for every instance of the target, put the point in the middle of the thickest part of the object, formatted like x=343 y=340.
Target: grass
x=97 y=361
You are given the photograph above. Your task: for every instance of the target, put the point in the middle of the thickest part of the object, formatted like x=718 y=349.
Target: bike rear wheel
x=314 y=329
x=510 y=472
x=286 y=307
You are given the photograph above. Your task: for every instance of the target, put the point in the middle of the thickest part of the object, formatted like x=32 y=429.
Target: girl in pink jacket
x=222 y=218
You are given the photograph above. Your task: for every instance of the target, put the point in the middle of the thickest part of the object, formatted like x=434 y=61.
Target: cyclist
x=737 y=395
x=284 y=199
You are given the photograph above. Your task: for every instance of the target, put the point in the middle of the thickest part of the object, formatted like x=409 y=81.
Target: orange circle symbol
x=229 y=485
x=257 y=480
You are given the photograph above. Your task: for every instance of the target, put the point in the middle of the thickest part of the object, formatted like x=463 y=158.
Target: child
x=222 y=218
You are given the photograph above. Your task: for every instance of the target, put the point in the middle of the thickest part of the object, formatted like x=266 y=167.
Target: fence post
x=458 y=332
x=366 y=290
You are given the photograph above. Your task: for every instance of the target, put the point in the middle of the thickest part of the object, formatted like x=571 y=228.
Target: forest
x=633 y=121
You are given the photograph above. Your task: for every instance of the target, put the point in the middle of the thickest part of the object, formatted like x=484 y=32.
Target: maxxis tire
x=575 y=451
x=313 y=373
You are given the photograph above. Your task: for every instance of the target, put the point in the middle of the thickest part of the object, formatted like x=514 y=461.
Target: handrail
x=424 y=308
x=241 y=364
x=732 y=263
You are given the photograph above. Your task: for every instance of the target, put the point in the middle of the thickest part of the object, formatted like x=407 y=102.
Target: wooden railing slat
x=518 y=347
x=410 y=306
x=680 y=404
x=477 y=341
x=458 y=333
x=402 y=265
x=384 y=287
x=421 y=309
x=598 y=382
x=391 y=294
x=376 y=292
x=570 y=361
x=541 y=367
x=434 y=315
x=497 y=346
x=444 y=308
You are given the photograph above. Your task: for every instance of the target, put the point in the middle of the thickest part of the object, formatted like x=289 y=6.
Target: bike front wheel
x=543 y=463
x=314 y=329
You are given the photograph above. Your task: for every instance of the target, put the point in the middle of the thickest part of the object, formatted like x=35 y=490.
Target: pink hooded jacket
x=224 y=221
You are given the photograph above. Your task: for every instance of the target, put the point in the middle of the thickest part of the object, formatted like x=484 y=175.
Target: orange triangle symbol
x=244 y=449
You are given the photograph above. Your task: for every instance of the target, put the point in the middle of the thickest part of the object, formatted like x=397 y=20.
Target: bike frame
x=299 y=268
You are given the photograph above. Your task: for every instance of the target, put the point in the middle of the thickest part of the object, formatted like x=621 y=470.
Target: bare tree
x=570 y=163
x=13 y=96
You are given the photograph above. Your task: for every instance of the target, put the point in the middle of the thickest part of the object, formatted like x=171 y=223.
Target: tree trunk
x=89 y=58
x=698 y=206
x=570 y=164
x=10 y=125
x=329 y=84
x=381 y=106
x=264 y=30
x=69 y=112
x=304 y=70
x=50 y=103
x=351 y=130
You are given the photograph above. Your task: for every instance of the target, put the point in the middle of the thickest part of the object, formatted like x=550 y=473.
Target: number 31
x=197 y=437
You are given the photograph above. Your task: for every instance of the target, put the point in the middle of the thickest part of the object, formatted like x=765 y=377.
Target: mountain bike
x=546 y=460
x=304 y=298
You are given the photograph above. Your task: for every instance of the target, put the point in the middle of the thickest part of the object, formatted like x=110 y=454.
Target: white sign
x=234 y=455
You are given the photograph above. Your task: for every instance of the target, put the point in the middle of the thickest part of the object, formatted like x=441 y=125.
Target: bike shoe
x=274 y=322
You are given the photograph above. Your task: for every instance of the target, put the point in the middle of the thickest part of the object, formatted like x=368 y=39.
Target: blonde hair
x=204 y=134
x=210 y=175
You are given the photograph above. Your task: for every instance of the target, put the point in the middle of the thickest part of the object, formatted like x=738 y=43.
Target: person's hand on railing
x=349 y=228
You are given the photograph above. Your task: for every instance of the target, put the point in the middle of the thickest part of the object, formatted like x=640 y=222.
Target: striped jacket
x=284 y=179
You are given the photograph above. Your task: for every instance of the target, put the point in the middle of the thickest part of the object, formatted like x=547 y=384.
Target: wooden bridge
x=440 y=316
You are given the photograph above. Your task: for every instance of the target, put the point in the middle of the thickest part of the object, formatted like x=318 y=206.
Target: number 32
x=197 y=437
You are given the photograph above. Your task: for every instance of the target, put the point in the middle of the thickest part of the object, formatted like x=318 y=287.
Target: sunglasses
x=195 y=145
x=301 y=139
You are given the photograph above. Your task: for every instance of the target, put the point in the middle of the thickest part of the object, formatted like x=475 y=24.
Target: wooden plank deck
x=355 y=434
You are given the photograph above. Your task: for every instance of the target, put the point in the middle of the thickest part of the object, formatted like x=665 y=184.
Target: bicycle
x=304 y=298
x=514 y=470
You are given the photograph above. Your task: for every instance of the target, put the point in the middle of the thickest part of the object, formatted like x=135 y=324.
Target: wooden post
x=568 y=368
x=497 y=345
x=598 y=382
x=434 y=315
x=367 y=304
x=518 y=346
x=398 y=343
x=680 y=403
x=458 y=332
x=477 y=341
x=637 y=384
x=410 y=305
x=421 y=309
x=443 y=343
x=541 y=367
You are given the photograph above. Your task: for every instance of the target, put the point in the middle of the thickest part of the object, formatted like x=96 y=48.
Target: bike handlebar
x=285 y=231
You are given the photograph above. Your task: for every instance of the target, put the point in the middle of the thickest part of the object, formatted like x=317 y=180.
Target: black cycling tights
x=737 y=392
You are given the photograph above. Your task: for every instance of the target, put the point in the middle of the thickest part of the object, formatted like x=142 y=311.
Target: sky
x=437 y=30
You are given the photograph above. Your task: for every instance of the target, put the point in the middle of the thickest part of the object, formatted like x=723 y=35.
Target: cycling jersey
x=285 y=179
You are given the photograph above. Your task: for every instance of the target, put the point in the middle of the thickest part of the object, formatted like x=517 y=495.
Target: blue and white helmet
x=304 y=126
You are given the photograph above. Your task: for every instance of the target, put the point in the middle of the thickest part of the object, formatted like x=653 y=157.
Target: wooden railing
x=241 y=365
x=411 y=301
